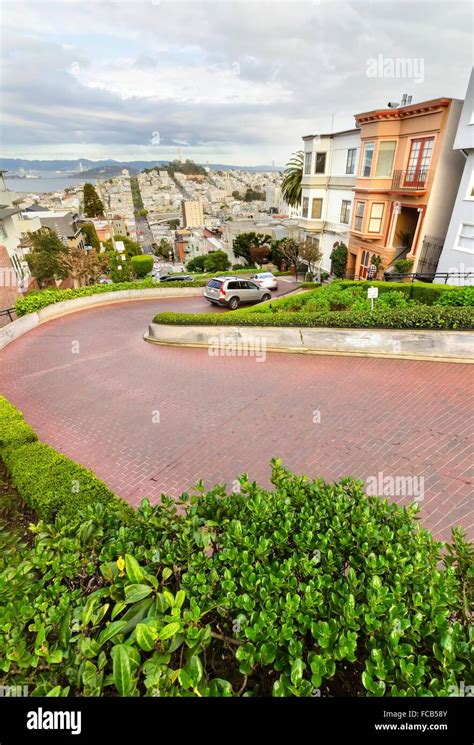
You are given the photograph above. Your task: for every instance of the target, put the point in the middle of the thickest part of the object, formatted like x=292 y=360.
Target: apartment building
x=406 y=183
x=457 y=256
x=14 y=270
x=64 y=223
x=193 y=214
x=329 y=169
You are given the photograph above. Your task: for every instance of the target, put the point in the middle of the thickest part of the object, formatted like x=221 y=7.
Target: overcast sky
x=230 y=82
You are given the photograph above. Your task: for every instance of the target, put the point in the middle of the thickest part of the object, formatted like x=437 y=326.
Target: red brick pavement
x=221 y=416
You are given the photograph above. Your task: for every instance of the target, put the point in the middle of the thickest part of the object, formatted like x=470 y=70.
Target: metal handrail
x=8 y=312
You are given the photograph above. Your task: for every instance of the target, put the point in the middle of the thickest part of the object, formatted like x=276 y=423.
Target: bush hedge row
x=34 y=301
x=48 y=481
x=416 y=317
x=419 y=291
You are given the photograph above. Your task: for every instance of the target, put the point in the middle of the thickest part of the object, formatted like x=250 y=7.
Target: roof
x=403 y=112
x=46 y=214
x=331 y=135
x=7 y=211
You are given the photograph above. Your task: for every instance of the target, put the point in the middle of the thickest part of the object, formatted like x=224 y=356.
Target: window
x=345 y=211
x=465 y=241
x=360 y=207
x=419 y=160
x=305 y=206
x=316 y=209
x=385 y=159
x=375 y=221
x=351 y=160
x=320 y=164
x=470 y=189
x=307 y=163
x=368 y=156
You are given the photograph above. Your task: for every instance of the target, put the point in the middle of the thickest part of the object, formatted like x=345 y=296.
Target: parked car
x=265 y=279
x=177 y=278
x=105 y=281
x=232 y=291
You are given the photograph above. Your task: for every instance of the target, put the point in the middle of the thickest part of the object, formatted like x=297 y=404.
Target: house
x=406 y=183
x=14 y=270
x=64 y=223
x=330 y=165
x=457 y=255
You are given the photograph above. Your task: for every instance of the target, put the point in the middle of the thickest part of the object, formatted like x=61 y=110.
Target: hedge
x=416 y=317
x=14 y=430
x=419 y=291
x=34 y=301
x=48 y=481
x=142 y=264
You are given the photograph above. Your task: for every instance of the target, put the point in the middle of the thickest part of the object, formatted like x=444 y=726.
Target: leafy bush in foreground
x=309 y=588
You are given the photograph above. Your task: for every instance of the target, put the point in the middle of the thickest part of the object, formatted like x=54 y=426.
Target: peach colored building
x=406 y=183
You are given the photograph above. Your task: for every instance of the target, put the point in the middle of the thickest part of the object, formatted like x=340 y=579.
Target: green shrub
x=142 y=265
x=34 y=301
x=310 y=588
x=403 y=266
x=14 y=430
x=339 y=259
x=464 y=296
x=51 y=483
x=416 y=317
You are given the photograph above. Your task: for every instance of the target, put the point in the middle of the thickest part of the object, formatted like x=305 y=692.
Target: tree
x=44 y=256
x=196 y=264
x=93 y=206
x=276 y=257
x=89 y=232
x=290 y=250
x=339 y=259
x=236 y=194
x=216 y=261
x=162 y=249
x=173 y=224
x=251 y=195
x=143 y=212
x=311 y=254
x=120 y=269
x=244 y=242
x=132 y=248
x=142 y=265
x=292 y=176
x=259 y=253
x=85 y=267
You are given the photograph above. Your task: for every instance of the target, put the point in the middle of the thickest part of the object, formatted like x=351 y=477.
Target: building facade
x=329 y=171
x=407 y=179
x=193 y=214
x=457 y=256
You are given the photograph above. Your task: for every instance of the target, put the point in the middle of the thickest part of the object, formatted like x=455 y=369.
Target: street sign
x=373 y=292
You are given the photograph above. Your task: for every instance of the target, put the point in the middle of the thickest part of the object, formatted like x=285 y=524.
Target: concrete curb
x=435 y=346
x=22 y=325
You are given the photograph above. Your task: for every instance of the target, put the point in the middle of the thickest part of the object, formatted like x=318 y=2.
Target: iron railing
x=416 y=277
x=410 y=179
x=8 y=312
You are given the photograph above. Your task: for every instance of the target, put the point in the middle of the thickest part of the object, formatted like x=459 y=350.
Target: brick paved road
x=221 y=416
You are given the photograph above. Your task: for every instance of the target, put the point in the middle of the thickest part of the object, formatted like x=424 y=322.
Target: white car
x=266 y=280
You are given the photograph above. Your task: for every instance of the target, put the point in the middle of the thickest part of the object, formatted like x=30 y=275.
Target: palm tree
x=291 y=184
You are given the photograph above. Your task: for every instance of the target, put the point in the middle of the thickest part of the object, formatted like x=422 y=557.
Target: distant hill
x=110 y=167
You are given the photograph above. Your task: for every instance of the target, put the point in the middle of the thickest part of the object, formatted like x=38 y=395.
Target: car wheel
x=233 y=303
x=266 y=297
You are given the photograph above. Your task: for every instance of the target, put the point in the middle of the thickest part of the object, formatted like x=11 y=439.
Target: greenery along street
x=309 y=589
x=344 y=304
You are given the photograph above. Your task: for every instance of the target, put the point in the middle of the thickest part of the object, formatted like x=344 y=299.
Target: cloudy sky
x=230 y=82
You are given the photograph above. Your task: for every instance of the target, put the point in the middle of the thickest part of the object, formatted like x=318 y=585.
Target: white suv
x=232 y=291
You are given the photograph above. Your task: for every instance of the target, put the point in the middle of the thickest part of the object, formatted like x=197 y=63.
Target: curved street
x=150 y=419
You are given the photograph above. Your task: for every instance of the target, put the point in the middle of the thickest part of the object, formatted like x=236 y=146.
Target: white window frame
x=308 y=157
x=379 y=219
x=362 y=167
x=463 y=249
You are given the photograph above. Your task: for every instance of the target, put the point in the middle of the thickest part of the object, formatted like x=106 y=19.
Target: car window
x=232 y=286
x=214 y=283
x=252 y=286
